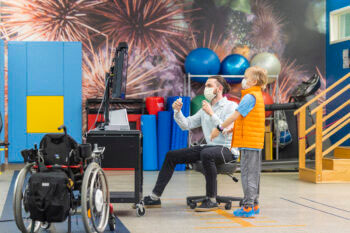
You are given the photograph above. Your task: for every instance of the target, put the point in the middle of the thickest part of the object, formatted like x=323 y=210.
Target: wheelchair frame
x=96 y=211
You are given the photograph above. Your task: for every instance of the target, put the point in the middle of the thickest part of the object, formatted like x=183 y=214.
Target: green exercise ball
x=269 y=62
x=196 y=104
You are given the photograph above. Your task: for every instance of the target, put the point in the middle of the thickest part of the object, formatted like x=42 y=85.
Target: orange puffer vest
x=249 y=131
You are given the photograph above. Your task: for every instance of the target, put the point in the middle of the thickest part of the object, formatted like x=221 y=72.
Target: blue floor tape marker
x=7 y=214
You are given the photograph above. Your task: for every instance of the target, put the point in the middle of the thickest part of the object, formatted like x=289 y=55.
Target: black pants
x=209 y=155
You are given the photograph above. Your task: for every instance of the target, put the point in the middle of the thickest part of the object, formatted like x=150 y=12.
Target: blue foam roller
x=164 y=135
x=149 y=131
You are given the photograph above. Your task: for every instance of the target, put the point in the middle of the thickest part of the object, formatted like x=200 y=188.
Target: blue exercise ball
x=202 y=61
x=234 y=64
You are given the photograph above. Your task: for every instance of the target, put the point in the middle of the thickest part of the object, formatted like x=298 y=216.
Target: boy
x=248 y=136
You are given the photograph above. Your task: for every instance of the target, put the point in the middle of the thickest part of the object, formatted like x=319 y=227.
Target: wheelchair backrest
x=56 y=149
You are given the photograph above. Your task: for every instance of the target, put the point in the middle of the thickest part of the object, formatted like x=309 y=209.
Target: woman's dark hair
x=222 y=81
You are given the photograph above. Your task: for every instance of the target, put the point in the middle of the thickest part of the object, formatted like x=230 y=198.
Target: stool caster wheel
x=193 y=205
x=140 y=209
x=228 y=206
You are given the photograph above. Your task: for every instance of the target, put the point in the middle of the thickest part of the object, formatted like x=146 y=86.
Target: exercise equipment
x=305 y=89
x=149 y=131
x=243 y=50
x=60 y=168
x=164 y=135
x=234 y=64
x=196 y=104
x=269 y=62
x=267 y=101
x=154 y=104
x=202 y=61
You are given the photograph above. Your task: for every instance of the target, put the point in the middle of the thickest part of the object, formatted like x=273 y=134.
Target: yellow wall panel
x=44 y=113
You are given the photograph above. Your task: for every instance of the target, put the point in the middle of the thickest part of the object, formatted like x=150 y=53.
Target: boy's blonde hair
x=257 y=73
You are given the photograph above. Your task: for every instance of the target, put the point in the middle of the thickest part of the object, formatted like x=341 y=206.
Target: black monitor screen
x=120 y=71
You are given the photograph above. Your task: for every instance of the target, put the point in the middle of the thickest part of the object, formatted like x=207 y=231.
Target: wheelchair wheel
x=23 y=222
x=95 y=199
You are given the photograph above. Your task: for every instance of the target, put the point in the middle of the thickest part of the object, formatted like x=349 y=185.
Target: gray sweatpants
x=250 y=175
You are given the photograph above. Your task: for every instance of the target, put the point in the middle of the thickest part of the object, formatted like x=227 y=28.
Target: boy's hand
x=207 y=108
x=214 y=133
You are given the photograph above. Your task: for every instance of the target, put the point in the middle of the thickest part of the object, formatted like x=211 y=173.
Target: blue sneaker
x=256 y=209
x=245 y=212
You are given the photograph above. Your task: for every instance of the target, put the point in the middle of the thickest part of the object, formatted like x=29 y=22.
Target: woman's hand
x=214 y=133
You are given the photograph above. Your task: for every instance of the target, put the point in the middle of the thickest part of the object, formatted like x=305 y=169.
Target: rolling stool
x=225 y=169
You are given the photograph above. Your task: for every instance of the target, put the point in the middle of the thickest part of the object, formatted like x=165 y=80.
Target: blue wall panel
x=2 y=97
x=17 y=92
x=43 y=69
x=34 y=138
x=72 y=89
x=335 y=71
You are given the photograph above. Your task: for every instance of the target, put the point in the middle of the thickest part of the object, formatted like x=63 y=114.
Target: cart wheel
x=23 y=222
x=193 y=205
x=228 y=206
x=45 y=225
x=140 y=209
x=112 y=223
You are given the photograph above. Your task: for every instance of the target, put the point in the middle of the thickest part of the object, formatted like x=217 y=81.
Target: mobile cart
x=123 y=151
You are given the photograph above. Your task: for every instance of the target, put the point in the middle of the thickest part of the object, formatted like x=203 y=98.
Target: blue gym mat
x=179 y=137
x=149 y=131
x=164 y=135
x=77 y=222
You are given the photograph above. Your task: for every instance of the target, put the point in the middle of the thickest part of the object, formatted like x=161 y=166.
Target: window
x=340 y=25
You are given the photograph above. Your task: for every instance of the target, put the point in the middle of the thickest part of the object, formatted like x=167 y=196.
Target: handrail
x=339 y=127
x=321 y=94
x=344 y=118
x=346 y=137
x=347 y=87
x=335 y=111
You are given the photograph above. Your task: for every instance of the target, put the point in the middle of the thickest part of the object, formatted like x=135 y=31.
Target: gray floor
x=287 y=205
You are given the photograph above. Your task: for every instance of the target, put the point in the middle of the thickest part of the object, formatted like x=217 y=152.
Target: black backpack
x=56 y=149
x=48 y=196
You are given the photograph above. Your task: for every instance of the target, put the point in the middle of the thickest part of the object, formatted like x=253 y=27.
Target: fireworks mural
x=160 y=34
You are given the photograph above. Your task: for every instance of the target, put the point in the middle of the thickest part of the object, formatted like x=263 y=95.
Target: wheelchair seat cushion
x=228 y=168
x=56 y=149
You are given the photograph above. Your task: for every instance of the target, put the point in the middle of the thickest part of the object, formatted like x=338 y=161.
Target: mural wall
x=160 y=34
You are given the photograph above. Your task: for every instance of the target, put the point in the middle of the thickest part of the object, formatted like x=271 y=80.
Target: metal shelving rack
x=272 y=79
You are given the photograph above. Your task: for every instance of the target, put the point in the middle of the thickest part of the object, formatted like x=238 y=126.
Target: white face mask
x=244 y=84
x=209 y=93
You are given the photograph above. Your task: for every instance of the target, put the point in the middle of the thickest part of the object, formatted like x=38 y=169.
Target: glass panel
x=344 y=25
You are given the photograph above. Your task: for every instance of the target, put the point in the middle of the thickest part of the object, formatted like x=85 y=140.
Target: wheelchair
x=62 y=178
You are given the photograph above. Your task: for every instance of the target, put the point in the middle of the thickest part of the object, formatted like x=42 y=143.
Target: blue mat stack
x=161 y=134
x=164 y=135
x=179 y=137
